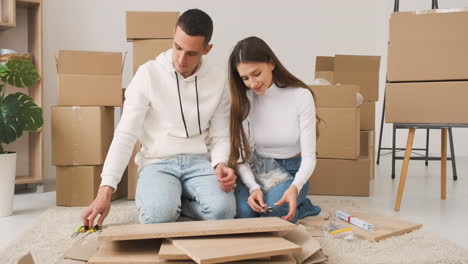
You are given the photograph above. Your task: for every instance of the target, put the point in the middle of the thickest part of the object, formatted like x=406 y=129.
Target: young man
x=178 y=107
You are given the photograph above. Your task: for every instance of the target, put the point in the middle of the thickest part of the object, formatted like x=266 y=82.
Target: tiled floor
x=421 y=201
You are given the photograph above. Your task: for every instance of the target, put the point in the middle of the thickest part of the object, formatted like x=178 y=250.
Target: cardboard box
x=89 y=78
x=132 y=168
x=428 y=45
x=339 y=127
x=427 y=102
x=132 y=171
x=148 y=49
x=368 y=116
x=89 y=90
x=81 y=135
x=78 y=185
x=150 y=24
x=372 y=153
x=344 y=177
x=352 y=69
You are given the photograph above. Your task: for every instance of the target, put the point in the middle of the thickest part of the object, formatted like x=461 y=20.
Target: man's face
x=187 y=52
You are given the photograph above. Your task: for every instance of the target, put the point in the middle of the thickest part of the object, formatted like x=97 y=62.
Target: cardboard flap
x=301 y=237
x=150 y=24
x=324 y=63
x=89 y=62
x=335 y=96
x=357 y=63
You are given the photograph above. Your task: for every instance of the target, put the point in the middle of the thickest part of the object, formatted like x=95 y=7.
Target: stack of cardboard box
x=427 y=75
x=151 y=34
x=88 y=89
x=345 y=146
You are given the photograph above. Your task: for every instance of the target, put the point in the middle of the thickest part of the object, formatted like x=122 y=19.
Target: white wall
x=297 y=31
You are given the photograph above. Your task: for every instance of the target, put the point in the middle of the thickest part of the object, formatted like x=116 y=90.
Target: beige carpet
x=49 y=238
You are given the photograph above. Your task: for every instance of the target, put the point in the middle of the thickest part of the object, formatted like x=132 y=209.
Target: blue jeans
x=184 y=185
x=304 y=206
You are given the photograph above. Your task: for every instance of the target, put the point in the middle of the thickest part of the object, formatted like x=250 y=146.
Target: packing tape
x=76 y=115
x=438 y=11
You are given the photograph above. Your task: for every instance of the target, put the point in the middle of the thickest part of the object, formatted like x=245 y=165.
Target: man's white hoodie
x=170 y=115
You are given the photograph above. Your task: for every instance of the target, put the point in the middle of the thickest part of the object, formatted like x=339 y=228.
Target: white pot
x=7 y=182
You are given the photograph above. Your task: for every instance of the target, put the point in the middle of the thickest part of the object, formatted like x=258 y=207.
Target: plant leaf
x=20 y=73
x=18 y=112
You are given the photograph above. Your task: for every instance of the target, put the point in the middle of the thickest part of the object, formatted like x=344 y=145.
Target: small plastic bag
x=332 y=229
x=268 y=173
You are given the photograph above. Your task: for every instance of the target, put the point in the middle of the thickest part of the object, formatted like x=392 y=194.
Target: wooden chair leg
x=443 y=165
x=404 y=168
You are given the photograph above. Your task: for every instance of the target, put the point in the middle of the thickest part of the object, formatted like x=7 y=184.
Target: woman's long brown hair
x=251 y=49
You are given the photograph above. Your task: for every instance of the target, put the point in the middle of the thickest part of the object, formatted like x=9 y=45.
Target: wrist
x=105 y=190
x=294 y=189
x=222 y=164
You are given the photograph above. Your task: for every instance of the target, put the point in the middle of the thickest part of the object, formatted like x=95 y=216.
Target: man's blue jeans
x=184 y=185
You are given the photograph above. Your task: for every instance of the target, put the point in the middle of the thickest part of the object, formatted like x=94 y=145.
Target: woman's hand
x=290 y=197
x=255 y=201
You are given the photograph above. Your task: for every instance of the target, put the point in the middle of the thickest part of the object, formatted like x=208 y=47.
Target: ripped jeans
x=272 y=195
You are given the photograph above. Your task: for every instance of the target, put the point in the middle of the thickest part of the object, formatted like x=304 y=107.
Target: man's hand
x=290 y=197
x=100 y=206
x=225 y=176
x=255 y=201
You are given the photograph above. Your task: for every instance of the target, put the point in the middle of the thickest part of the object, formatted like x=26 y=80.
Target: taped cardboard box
x=132 y=169
x=344 y=177
x=428 y=45
x=78 y=185
x=427 y=102
x=150 y=24
x=352 y=69
x=367 y=116
x=89 y=78
x=339 y=127
x=148 y=49
x=81 y=135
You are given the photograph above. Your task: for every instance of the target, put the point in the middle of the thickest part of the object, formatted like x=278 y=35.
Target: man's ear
x=207 y=49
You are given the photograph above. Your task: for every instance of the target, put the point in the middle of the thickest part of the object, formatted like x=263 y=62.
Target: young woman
x=273 y=134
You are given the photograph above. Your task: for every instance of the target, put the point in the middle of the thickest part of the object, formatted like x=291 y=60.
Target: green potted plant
x=18 y=113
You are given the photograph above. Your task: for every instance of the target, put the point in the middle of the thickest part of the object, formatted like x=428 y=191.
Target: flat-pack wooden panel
x=146 y=251
x=195 y=228
x=141 y=251
x=384 y=227
x=170 y=252
x=216 y=249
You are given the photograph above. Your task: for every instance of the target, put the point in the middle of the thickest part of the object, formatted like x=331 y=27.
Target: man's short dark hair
x=195 y=22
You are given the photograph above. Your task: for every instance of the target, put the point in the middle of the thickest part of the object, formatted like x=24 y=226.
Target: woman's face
x=257 y=76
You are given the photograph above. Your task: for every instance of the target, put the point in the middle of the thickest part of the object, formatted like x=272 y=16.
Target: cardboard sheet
x=309 y=246
x=83 y=249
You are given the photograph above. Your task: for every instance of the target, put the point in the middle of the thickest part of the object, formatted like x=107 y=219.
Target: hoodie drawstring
x=181 y=108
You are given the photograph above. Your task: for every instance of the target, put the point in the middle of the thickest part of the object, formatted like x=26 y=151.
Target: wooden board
x=122 y=252
x=170 y=252
x=384 y=227
x=146 y=251
x=216 y=249
x=195 y=228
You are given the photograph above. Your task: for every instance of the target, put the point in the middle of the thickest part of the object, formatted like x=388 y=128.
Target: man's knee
x=158 y=214
x=220 y=208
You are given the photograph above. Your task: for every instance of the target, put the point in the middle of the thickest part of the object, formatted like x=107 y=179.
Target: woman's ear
x=271 y=65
